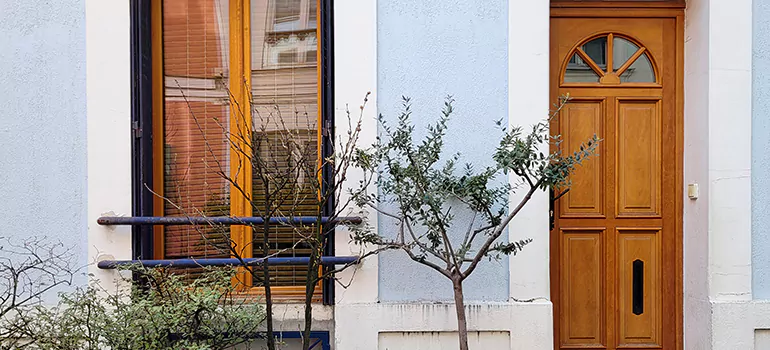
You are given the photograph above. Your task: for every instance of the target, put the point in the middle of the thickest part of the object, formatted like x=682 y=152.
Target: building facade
x=663 y=245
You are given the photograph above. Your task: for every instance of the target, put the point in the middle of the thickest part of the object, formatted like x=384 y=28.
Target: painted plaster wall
x=428 y=50
x=43 y=122
x=760 y=150
x=697 y=318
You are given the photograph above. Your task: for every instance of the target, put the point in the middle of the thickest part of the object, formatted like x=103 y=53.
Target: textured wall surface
x=43 y=122
x=427 y=50
x=696 y=221
x=442 y=340
x=760 y=148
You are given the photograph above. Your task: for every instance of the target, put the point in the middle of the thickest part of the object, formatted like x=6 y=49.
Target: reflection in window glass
x=284 y=91
x=293 y=31
x=639 y=72
x=597 y=50
x=195 y=64
x=312 y=14
x=578 y=71
x=622 y=50
x=287 y=14
x=637 y=69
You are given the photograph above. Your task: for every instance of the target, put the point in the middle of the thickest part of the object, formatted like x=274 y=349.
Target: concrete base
x=740 y=325
x=365 y=325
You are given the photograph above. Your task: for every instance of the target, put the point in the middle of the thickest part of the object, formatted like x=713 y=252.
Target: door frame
x=628 y=9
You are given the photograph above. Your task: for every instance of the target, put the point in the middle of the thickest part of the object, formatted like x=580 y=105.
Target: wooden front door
x=616 y=242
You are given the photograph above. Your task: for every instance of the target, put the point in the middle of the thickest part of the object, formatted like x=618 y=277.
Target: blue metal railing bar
x=193 y=263
x=222 y=220
x=322 y=337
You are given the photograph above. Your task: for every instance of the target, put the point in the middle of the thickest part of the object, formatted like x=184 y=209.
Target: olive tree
x=423 y=190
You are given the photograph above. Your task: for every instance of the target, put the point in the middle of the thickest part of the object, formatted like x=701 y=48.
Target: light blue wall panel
x=43 y=122
x=760 y=149
x=428 y=49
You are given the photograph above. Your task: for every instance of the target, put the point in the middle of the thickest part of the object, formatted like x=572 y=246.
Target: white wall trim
x=730 y=149
x=528 y=104
x=355 y=74
x=108 y=130
x=719 y=310
x=528 y=324
x=697 y=308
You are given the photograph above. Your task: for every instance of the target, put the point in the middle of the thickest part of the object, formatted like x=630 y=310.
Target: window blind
x=196 y=113
x=285 y=97
x=284 y=114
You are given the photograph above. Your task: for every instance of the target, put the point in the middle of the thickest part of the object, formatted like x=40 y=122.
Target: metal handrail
x=222 y=220
x=193 y=263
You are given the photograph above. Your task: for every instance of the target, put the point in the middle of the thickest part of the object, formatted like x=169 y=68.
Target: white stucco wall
x=719 y=310
x=108 y=96
x=697 y=315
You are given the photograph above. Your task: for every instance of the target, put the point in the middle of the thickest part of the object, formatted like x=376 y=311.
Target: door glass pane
x=597 y=51
x=578 y=71
x=195 y=66
x=622 y=50
x=639 y=72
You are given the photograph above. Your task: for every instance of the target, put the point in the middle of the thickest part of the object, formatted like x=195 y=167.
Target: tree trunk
x=310 y=284
x=462 y=325
x=266 y=271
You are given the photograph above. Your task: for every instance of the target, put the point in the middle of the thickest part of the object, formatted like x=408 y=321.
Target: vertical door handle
x=552 y=198
x=551 y=218
x=638 y=287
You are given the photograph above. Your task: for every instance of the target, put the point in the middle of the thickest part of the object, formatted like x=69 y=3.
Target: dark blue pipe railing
x=222 y=220
x=193 y=263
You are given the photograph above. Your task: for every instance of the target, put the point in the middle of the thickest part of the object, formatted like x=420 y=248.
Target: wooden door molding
x=603 y=226
x=676 y=4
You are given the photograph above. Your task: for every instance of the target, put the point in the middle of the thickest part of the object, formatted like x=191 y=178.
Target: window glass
x=639 y=72
x=578 y=71
x=195 y=67
x=197 y=130
x=287 y=14
x=630 y=62
x=285 y=95
x=285 y=43
x=622 y=50
x=597 y=50
x=312 y=14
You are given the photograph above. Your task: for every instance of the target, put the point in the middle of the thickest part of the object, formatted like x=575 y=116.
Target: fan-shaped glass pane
x=597 y=50
x=639 y=72
x=578 y=71
x=622 y=50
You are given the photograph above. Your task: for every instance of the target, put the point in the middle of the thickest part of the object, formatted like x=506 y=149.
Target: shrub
x=160 y=310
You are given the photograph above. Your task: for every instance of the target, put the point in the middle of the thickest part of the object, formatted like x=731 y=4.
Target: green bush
x=160 y=310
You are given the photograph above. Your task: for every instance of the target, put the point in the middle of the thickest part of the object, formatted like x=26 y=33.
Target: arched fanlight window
x=609 y=59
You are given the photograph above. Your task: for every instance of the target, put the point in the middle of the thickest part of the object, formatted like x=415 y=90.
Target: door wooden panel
x=583 y=119
x=616 y=243
x=639 y=157
x=584 y=258
x=641 y=326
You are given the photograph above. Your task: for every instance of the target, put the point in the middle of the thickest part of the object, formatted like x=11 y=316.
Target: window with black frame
x=207 y=66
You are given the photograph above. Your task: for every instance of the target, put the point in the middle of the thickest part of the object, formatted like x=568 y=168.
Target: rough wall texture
x=760 y=148
x=42 y=122
x=427 y=50
x=697 y=321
